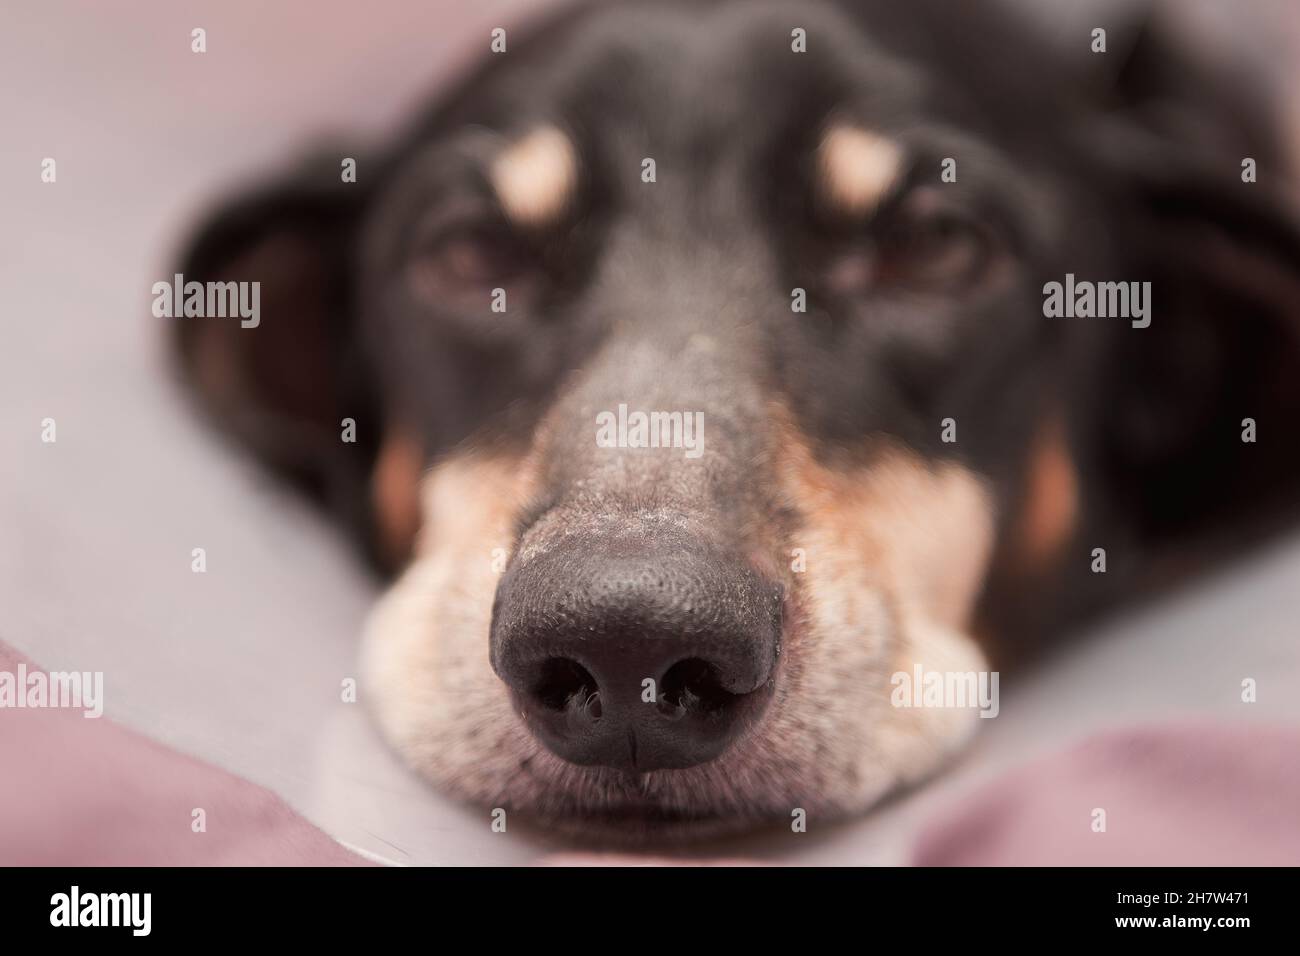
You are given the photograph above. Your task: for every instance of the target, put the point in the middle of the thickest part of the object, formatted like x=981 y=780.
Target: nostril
x=563 y=683
x=692 y=686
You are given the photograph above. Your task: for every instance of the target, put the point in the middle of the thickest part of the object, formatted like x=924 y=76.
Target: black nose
x=640 y=652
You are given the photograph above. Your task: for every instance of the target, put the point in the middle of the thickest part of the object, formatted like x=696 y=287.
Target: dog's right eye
x=460 y=265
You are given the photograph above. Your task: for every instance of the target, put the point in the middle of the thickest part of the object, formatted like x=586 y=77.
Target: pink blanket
x=87 y=791
x=1187 y=795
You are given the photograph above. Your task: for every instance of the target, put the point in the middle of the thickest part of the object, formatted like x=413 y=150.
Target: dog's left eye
x=460 y=263
x=918 y=246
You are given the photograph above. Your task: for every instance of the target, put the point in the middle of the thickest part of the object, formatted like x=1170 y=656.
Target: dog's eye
x=466 y=261
x=941 y=252
x=919 y=246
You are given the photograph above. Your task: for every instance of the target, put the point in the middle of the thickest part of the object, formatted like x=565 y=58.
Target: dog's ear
x=1196 y=437
x=284 y=385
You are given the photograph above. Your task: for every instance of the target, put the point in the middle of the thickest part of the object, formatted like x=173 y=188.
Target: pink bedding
x=87 y=791
x=1184 y=795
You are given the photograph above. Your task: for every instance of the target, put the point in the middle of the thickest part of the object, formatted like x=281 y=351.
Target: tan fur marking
x=1051 y=502
x=927 y=529
x=535 y=177
x=857 y=168
x=395 y=495
x=472 y=498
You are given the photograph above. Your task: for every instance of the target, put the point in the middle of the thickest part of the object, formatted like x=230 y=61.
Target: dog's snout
x=636 y=652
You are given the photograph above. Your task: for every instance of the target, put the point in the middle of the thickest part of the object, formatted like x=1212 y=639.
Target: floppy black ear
x=282 y=387
x=1223 y=258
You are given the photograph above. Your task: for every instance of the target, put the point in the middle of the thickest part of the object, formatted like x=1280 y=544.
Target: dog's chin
x=642 y=826
x=603 y=807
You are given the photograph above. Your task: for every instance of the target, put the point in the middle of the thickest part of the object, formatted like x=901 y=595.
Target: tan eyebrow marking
x=536 y=176
x=857 y=167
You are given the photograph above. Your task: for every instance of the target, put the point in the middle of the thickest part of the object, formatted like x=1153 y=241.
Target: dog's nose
x=636 y=652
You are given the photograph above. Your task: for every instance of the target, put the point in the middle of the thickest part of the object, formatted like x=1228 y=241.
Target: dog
x=689 y=369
